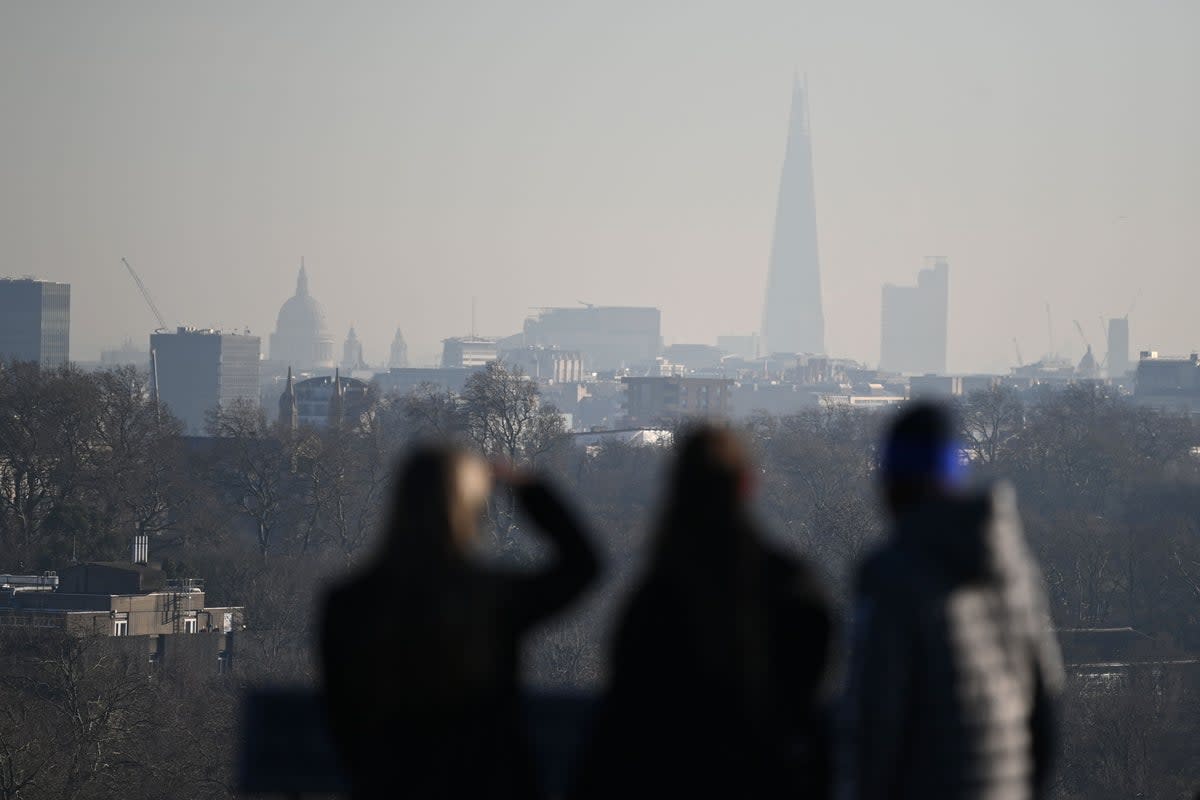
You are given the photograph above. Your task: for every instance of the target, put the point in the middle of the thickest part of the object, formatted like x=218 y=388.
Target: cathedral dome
x=301 y=337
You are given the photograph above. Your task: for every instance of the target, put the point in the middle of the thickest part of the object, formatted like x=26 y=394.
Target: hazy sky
x=535 y=154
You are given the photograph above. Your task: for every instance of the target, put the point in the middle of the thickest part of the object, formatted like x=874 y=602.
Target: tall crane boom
x=162 y=323
x=1082 y=335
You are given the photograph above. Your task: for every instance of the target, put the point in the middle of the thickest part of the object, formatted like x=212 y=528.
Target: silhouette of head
x=436 y=507
x=922 y=459
x=711 y=483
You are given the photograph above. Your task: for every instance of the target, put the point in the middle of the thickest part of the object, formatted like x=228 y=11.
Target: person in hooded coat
x=719 y=659
x=419 y=652
x=954 y=672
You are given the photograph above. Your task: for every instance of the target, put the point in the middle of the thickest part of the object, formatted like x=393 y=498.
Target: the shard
x=792 y=318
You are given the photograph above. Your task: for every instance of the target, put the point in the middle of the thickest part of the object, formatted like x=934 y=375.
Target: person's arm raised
x=574 y=564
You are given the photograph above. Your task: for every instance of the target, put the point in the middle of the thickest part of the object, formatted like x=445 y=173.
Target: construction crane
x=1082 y=335
x=162 y=323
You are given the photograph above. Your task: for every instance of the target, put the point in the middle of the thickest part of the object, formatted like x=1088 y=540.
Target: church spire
x=287 y=404
x=302 y=280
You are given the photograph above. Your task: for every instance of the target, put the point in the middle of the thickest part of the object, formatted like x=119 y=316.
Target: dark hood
x=969 y=538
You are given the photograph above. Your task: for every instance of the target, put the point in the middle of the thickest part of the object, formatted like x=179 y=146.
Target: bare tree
x=253 y=470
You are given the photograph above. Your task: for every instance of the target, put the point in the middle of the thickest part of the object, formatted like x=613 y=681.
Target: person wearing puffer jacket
x=954 y=675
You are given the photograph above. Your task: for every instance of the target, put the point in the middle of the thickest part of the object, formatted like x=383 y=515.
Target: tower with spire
x=288 y=412
x=398 y=359
x=352 y=352
x=793 y=320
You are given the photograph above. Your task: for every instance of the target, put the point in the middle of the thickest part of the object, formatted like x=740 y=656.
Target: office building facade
x=606 y=337
x=914 y=322
x=1119 y=364
x=35 y=321
x=198 y=370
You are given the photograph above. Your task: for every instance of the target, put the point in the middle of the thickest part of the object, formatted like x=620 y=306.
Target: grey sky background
x=539 y=153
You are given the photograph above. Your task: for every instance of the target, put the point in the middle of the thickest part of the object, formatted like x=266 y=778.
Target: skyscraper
x=792 y=318
x=35 y=321
x=199 y=370
x=914 y=322
x=1118 y=347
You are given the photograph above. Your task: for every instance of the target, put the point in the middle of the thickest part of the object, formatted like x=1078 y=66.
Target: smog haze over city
x=566 y=400
x=530 y=154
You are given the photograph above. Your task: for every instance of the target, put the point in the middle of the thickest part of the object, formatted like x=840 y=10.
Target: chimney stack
x=141 y=549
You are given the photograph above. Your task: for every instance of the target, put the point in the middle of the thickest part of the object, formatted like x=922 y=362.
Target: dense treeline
x=1110 y=495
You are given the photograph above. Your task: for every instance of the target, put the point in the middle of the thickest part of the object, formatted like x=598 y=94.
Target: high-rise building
x=914 y=322
x=35 y=321
x=1118 y=347
x=607 y=337
x=793 y=321
x=301 y=338
x=201 y=369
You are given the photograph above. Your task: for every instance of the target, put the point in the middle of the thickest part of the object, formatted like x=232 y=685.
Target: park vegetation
x=1110 y=496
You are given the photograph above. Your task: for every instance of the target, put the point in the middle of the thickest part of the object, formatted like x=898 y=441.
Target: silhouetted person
x=954 y=675
x=720 y=655
x=420 y=650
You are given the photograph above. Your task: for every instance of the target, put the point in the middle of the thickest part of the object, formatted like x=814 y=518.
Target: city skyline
x=520 y=163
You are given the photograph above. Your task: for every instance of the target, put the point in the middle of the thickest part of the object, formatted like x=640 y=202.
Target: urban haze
x=538 y=154
x=561 y=401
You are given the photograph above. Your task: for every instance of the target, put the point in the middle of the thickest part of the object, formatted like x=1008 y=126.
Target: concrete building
x=1169 y=384
x=914 y=323
x=607 y=337
x=35 y=321
x=656 y=401
x=695 y=357
x=546 y=364
x=123 y=599
x=202 y=369
x=748 y=347
x=301 y=338
x=1119 y=364
x=113 y=598
x=934 y=387
x=325 y=399
x=793 y=319
x=468 y=351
